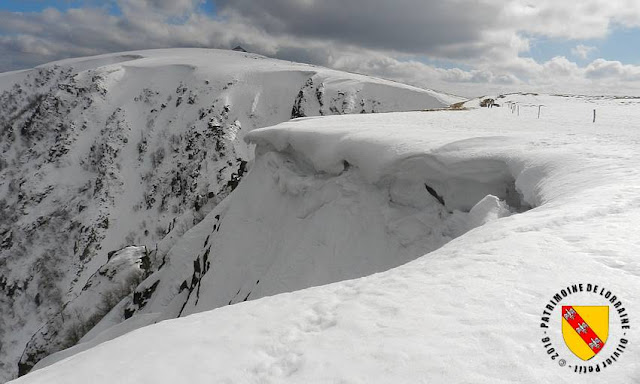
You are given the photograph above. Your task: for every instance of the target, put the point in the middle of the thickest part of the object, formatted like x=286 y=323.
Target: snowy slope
x=134 y=149
x=347 y=196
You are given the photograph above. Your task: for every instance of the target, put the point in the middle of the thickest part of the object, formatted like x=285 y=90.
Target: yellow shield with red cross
x=585 y=329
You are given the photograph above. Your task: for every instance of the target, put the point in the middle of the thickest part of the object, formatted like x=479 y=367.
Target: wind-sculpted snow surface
x=134 y=149
x=553 y=201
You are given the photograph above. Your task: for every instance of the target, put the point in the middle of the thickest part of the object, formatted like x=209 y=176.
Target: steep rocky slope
x=101 y=153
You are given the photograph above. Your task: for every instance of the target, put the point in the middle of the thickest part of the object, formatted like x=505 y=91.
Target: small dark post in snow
x=594 y=115
x=539 y=106
x=518 y=110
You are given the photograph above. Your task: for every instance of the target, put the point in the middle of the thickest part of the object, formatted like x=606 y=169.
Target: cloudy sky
x=468 y=47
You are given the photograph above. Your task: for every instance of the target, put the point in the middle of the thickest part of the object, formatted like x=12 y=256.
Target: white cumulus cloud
x=583 y=51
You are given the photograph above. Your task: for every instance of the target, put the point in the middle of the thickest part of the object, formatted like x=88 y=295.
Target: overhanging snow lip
x=448 y=169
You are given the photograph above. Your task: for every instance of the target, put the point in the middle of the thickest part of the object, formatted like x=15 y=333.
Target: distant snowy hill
x=133 y=149
x=481 y=214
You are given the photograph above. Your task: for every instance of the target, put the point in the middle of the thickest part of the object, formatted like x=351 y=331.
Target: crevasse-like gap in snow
x=290 y=227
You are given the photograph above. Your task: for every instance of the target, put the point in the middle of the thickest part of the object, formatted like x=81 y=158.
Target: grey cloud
x=161 y=8
x=316 y=56
x=52 y=35
x=414 y=26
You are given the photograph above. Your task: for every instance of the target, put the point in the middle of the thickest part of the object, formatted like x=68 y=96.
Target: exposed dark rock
x=435 y=194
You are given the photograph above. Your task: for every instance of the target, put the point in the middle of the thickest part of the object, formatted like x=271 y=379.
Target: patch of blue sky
x=61 y=5
x=208 y=6
x=621 y=45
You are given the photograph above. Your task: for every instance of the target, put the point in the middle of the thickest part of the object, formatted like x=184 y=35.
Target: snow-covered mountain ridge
x=134 y=149
x=510 y=208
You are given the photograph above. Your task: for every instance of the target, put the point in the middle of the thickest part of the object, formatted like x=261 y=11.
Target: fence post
x=539 y=106
x=594 y=115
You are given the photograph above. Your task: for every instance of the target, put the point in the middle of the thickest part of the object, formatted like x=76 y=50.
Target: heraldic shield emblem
x=585 y=329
